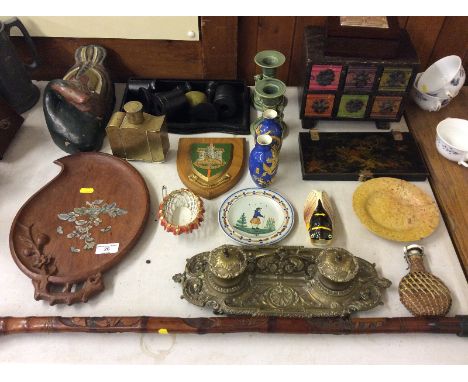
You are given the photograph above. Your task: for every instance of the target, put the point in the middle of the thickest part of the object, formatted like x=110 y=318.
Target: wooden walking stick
x=163 y=325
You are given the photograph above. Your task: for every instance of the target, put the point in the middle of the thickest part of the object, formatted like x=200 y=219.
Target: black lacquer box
x=180 y=122
x=360 y=156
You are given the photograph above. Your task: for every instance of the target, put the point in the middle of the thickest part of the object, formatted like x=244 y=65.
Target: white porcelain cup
x=425 y=101
x=452 y=140
x=444 y=78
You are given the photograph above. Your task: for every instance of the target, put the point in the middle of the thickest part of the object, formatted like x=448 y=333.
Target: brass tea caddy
x=135 y=135
x=281 y=281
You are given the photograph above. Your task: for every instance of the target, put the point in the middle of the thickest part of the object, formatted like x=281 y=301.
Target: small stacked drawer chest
x=352 y=88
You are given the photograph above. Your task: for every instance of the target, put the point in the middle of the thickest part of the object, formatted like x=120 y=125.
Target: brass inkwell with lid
x=281 y=281
x=336 y=269
x=226 y=269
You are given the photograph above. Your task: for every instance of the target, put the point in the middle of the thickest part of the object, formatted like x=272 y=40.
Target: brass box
x=144 y=138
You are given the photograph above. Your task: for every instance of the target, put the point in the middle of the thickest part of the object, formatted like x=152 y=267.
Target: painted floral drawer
x=395 y=79
x=353 y=106
x=360 y=78
x=386 y=107
x=320 y=105
x=325 y=77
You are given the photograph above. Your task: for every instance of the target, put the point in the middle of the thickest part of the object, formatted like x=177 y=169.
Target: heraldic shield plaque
x=210 y=166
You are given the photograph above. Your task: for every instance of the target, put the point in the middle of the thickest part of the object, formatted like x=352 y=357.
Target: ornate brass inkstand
x=281 y=281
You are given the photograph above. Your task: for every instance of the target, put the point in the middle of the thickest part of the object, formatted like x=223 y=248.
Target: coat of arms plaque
x=210 y=166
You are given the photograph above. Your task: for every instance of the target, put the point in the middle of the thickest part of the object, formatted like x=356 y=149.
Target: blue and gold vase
x=263 y=161
x=270 y=125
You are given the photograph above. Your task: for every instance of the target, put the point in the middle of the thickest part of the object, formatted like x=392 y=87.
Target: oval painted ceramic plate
x=395 y=209
x=255 y=216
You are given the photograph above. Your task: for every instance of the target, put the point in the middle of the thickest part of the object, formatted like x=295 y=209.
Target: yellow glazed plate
x=395 y=209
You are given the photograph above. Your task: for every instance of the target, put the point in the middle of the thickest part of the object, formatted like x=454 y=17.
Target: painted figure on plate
x=256 y=221
x=258 y=224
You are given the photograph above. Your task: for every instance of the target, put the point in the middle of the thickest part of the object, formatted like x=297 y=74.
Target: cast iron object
x=181 y=122
x=78 y=107
x=225 y=101
x=202 y=325
x=10 y=122
x=204 y=112
x=146 y=98
x=200 y=108
x=281 y=281
x=211 y=90
x=163 y=103
x=15 y=84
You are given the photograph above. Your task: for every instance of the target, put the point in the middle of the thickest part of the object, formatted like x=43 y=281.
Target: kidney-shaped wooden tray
x=79 y=225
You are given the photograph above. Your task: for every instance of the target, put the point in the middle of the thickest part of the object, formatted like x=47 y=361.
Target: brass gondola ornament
x=284 y=281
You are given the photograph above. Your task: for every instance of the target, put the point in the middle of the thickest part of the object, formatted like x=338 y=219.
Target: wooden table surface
x=449 y=180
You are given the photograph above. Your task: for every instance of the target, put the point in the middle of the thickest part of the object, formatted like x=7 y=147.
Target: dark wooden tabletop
x=449 y=180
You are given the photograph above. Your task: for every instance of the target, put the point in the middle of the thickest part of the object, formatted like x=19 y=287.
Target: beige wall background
x=131 y=27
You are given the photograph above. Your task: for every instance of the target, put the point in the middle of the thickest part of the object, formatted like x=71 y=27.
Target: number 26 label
x=104 y=249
